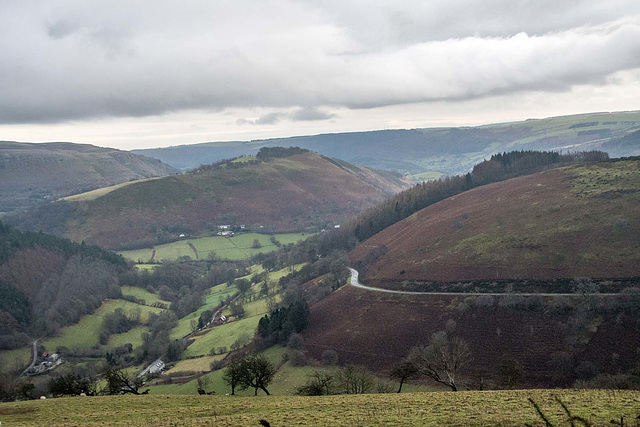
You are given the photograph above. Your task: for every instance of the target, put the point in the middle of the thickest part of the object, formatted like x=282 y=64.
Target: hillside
x=31 y=174
x=47 y=282
x=298 y=192
x=576 y=221
x=429 y=153
x=511 y=407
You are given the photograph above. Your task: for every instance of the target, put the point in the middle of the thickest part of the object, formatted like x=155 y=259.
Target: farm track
x=354 y=282
x=193 y=248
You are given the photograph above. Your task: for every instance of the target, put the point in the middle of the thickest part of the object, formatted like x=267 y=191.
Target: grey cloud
x=310 y=114
x=78 y=60
x=270 y=118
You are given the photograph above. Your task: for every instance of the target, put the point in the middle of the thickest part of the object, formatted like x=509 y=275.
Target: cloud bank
x=75 y=60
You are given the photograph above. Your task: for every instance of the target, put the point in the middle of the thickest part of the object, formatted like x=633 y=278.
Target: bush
x=297 y=358
x=329 y=358
x=296 y=342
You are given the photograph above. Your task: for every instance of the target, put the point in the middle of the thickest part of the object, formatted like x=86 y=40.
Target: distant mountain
x=628 y=145
x=575 y=221
x=435 y=150
x=283 y=192
x=33 y=173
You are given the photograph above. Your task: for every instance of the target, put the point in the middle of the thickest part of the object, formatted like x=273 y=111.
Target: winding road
x=354 y=282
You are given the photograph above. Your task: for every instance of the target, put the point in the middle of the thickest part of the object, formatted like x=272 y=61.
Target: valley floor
x=510 y=407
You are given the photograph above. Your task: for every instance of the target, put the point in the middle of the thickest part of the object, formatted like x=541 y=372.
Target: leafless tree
x=441 y=359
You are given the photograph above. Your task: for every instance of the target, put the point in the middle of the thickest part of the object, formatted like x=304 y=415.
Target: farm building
x=155 y=367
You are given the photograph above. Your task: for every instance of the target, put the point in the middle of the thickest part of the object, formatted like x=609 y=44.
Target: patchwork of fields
x=232 y=248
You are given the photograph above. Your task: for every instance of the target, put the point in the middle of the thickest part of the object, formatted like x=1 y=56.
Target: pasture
x=232 y=248
x=509 y=407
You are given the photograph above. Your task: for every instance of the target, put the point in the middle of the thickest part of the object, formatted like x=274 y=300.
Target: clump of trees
x=267 y=153
x=277 y=326
x=254 y=372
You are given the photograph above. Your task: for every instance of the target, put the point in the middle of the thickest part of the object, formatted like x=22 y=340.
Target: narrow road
x=34 y=357
x=354 y=282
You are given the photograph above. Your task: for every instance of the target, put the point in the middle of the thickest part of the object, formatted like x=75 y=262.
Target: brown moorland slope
x=576 y=221
x=31 y=173
x=377 y=330
x=282 y=194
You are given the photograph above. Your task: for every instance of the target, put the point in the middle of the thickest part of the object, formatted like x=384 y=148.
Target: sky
x=141 y=74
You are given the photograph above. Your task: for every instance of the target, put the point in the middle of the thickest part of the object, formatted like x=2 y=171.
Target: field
x=99 y=192
x=439 y=408
x=84 y=334
x=143 y=294
x=222 y=336
x=233 y=248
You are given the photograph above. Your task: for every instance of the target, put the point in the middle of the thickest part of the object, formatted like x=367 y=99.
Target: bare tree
x=441 y=359
x=118 y=382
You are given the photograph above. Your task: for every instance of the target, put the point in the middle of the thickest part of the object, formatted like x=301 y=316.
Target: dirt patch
x=16 y=411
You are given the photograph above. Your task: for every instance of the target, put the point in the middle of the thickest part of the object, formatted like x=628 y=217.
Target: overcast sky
x=133 y=74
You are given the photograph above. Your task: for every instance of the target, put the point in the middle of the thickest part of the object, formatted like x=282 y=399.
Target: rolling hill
x=575 y=221
x=31 y=174
x=296 y=192
x=570 y=229
x=431 y=152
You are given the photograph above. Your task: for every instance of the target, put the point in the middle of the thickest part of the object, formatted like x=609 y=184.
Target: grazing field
x=143 y=294
x=85 y=333
x=99 y=192
x=233 y=248
x=198 y=364
x=133 y=337
x=222 y=336
x=216 y=295
x=439 y=408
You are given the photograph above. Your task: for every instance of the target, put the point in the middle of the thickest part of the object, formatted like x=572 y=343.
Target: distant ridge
x=33 y=173
x=447 y=150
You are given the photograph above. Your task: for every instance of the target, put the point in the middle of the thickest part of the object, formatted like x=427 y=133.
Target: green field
x=232 y=248
x=222 y=336
x=148 y=297
x=85 y=333
x=509 y=407
x=216 y=294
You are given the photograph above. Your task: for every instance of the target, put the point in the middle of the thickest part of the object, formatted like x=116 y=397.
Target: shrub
x=329 y=358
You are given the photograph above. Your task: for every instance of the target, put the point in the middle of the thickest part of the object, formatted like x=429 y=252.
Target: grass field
x=440 y=408
x=222 y=336
x=143 y=294
x=99 y=192
x=85 y=333
x=233 y=248
x=198 y=364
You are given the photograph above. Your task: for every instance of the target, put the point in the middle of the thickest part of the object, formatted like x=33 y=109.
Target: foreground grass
x=438 y=408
